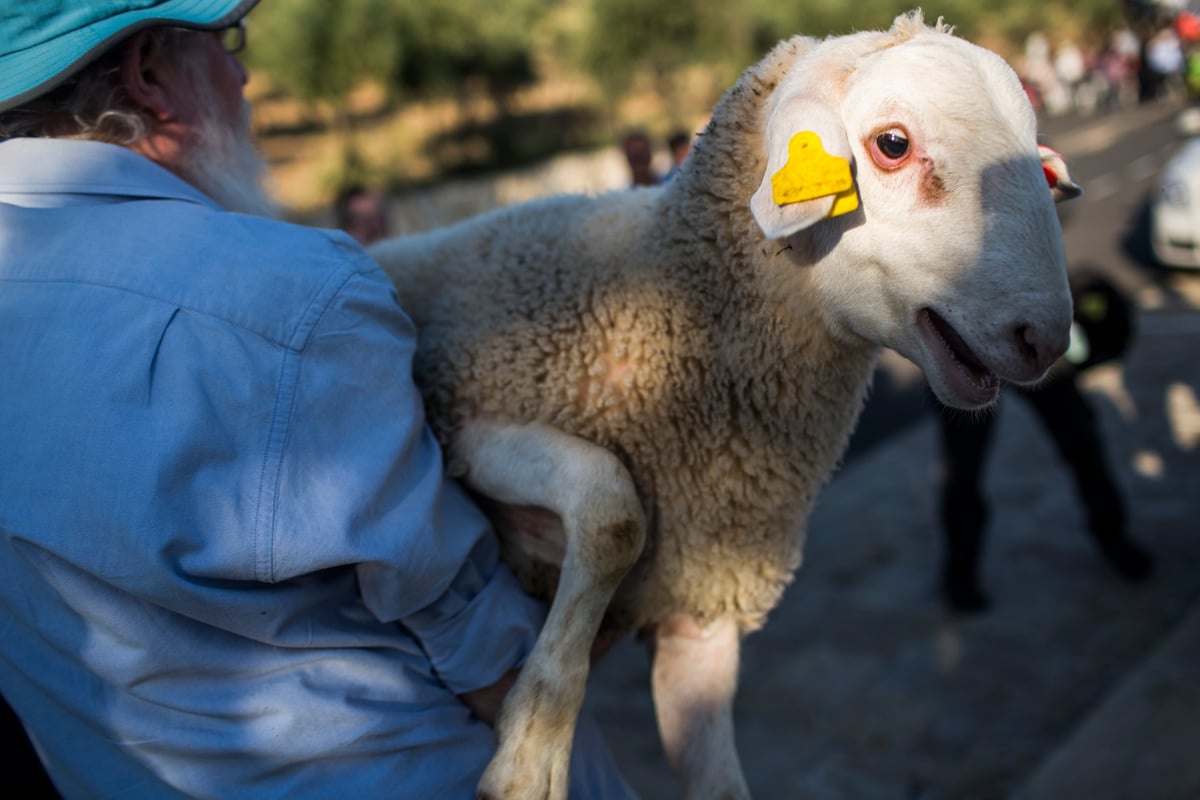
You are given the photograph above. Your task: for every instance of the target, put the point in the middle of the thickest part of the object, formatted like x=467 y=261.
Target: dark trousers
x=1071 y=423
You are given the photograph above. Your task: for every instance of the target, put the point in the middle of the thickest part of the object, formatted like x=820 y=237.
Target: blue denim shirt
x=230 y=564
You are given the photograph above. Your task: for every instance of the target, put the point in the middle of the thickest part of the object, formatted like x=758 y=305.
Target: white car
x=1175 y=212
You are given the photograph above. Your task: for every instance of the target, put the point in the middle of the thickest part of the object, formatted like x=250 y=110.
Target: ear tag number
x=810 y=173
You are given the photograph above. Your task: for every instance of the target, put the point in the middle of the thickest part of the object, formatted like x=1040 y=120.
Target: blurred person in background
x=230 y=565
x=1102 y=331
x=679 y=144
x=1163 y=66
x=362 y=214
x=639 y=155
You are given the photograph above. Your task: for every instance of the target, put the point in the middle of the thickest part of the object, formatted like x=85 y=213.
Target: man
x=361 y=213
x=229 y=563
x=639 y=154
x=1102 y=330
x=679 y=145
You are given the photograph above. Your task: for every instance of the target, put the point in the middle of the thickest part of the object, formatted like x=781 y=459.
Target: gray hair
x=93 y=104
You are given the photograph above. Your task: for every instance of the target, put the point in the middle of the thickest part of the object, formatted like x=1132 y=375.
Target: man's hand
x=485 y=703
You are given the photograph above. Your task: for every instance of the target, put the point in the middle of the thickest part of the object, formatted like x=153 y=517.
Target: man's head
x=361 y=213
x=639 y=153
x=680 y=144
x=155 y=76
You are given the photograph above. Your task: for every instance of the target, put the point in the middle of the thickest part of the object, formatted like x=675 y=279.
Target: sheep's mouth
x=960 y=369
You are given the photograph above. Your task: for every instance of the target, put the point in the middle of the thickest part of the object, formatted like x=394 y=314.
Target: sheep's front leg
x=694 y=681
x=604 y=526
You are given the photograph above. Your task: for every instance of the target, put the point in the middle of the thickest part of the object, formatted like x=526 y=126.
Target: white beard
x=224 y=164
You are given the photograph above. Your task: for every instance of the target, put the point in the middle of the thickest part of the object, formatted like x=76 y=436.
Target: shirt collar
x=30 y=166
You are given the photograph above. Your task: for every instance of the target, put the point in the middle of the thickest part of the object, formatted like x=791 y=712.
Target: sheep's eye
x=892 y=144
x=890 y=148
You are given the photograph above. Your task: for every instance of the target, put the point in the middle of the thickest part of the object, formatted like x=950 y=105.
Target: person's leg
x=1071 y=423
x=964 y=513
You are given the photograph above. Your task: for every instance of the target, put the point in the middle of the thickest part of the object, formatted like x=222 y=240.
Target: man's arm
x=360 y=481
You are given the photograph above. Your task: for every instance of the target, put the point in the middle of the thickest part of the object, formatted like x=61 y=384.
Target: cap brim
x=29 y=73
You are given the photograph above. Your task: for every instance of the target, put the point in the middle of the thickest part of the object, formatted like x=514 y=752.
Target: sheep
x=647 y=388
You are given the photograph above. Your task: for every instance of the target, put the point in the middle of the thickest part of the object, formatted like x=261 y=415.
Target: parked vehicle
x=1175 y=211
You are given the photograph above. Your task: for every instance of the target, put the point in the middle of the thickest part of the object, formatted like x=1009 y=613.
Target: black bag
x=1104 y=321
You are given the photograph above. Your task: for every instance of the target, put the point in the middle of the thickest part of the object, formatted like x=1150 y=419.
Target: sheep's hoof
x=540 y=779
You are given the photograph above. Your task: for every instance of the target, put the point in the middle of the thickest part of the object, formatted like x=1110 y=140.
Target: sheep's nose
x=1039 y=347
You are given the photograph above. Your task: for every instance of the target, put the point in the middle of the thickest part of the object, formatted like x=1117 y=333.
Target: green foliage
x=626 y=36
x=449 y=43
x=320 y=49
x=996 y=19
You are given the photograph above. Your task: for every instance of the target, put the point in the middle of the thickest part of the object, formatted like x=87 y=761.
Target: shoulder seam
x=279 y=429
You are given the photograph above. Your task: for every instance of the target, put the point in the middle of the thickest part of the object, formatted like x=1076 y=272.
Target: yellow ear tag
x=810 y=172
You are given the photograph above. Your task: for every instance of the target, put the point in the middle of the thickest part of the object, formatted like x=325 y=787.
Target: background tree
x=320 y=50
x=631 y=38
x=654 y=64
x=451 y=44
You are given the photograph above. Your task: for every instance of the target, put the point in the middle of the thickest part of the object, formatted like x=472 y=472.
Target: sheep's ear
x=808 y=176
x=1057 y=176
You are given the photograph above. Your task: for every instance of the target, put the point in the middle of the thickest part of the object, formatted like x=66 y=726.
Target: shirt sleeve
x=360 y=483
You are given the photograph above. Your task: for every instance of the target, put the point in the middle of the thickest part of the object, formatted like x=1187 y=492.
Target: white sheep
x=674 y=372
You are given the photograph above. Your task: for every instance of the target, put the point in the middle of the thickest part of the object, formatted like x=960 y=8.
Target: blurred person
x=1125 y=65
x=1118 y=76
x=639 y=155
x=1070 y=69
x=1163 y=66
x=1192 y=74
x=1101 y=333
x=1039 y=76
x=679 y=144
x=230 y=565
x=362 y=214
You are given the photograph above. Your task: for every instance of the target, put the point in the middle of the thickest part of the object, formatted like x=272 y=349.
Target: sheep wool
x=658 y=324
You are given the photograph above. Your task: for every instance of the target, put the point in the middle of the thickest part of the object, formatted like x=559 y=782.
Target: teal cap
x=44 y=42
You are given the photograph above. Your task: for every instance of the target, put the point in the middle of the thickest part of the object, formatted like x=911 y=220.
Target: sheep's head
x=917 y=193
